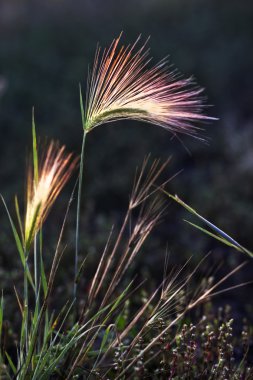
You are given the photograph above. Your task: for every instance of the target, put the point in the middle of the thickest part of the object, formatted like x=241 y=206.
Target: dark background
x=45 y=49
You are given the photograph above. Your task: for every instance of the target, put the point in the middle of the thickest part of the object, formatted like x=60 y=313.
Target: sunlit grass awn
x=54 y=171
x=124 y=84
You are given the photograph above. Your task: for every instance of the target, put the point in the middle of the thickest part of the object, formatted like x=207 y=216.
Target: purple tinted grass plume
x=122 y=85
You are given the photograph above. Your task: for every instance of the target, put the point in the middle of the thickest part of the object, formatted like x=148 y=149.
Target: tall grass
x=105 y=335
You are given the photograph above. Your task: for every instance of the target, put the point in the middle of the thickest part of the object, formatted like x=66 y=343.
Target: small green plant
x=106 y=335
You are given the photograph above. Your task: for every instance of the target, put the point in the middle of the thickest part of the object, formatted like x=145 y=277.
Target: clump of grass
x=109 y=336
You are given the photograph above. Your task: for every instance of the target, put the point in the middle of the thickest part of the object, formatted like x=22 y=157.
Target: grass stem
x=78 y=211
x=26 y=305
x=36 y=268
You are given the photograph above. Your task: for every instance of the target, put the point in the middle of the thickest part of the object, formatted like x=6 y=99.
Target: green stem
x=36 y=268
x=37 y=276
x=78 y=212
x=26 y=303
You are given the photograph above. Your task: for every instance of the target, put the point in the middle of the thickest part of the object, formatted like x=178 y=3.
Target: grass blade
x=35 y=150
x=219 y=234
x=18 y=243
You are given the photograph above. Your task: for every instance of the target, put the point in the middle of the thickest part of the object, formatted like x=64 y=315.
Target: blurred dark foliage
x=45 y=49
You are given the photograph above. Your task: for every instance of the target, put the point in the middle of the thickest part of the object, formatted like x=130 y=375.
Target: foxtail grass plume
x=123 y=86
x=55 y=170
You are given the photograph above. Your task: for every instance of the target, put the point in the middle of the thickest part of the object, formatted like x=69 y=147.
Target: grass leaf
x=219 y=234
x=81 y=107
x=19 y=219
x=18 y=243
x=35 y=150
x=12 y=365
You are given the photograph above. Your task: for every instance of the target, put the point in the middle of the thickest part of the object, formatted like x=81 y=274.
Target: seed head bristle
x=122 y=86
x=54 y=172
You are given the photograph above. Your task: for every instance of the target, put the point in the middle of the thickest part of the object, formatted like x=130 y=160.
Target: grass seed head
x=122 y=85
x=55 y=170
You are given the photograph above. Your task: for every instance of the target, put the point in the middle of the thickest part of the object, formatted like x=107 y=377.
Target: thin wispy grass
x=55 y=346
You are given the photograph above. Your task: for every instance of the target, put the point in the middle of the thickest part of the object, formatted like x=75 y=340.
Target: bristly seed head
x=122 y=86
x=54 y=172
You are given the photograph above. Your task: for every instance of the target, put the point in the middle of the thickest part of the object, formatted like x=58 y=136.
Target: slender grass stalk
x=36 y=180
x=79 y=194
x=37 y=273
x=24 y=333
x=78 y=211
x=36 y=268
